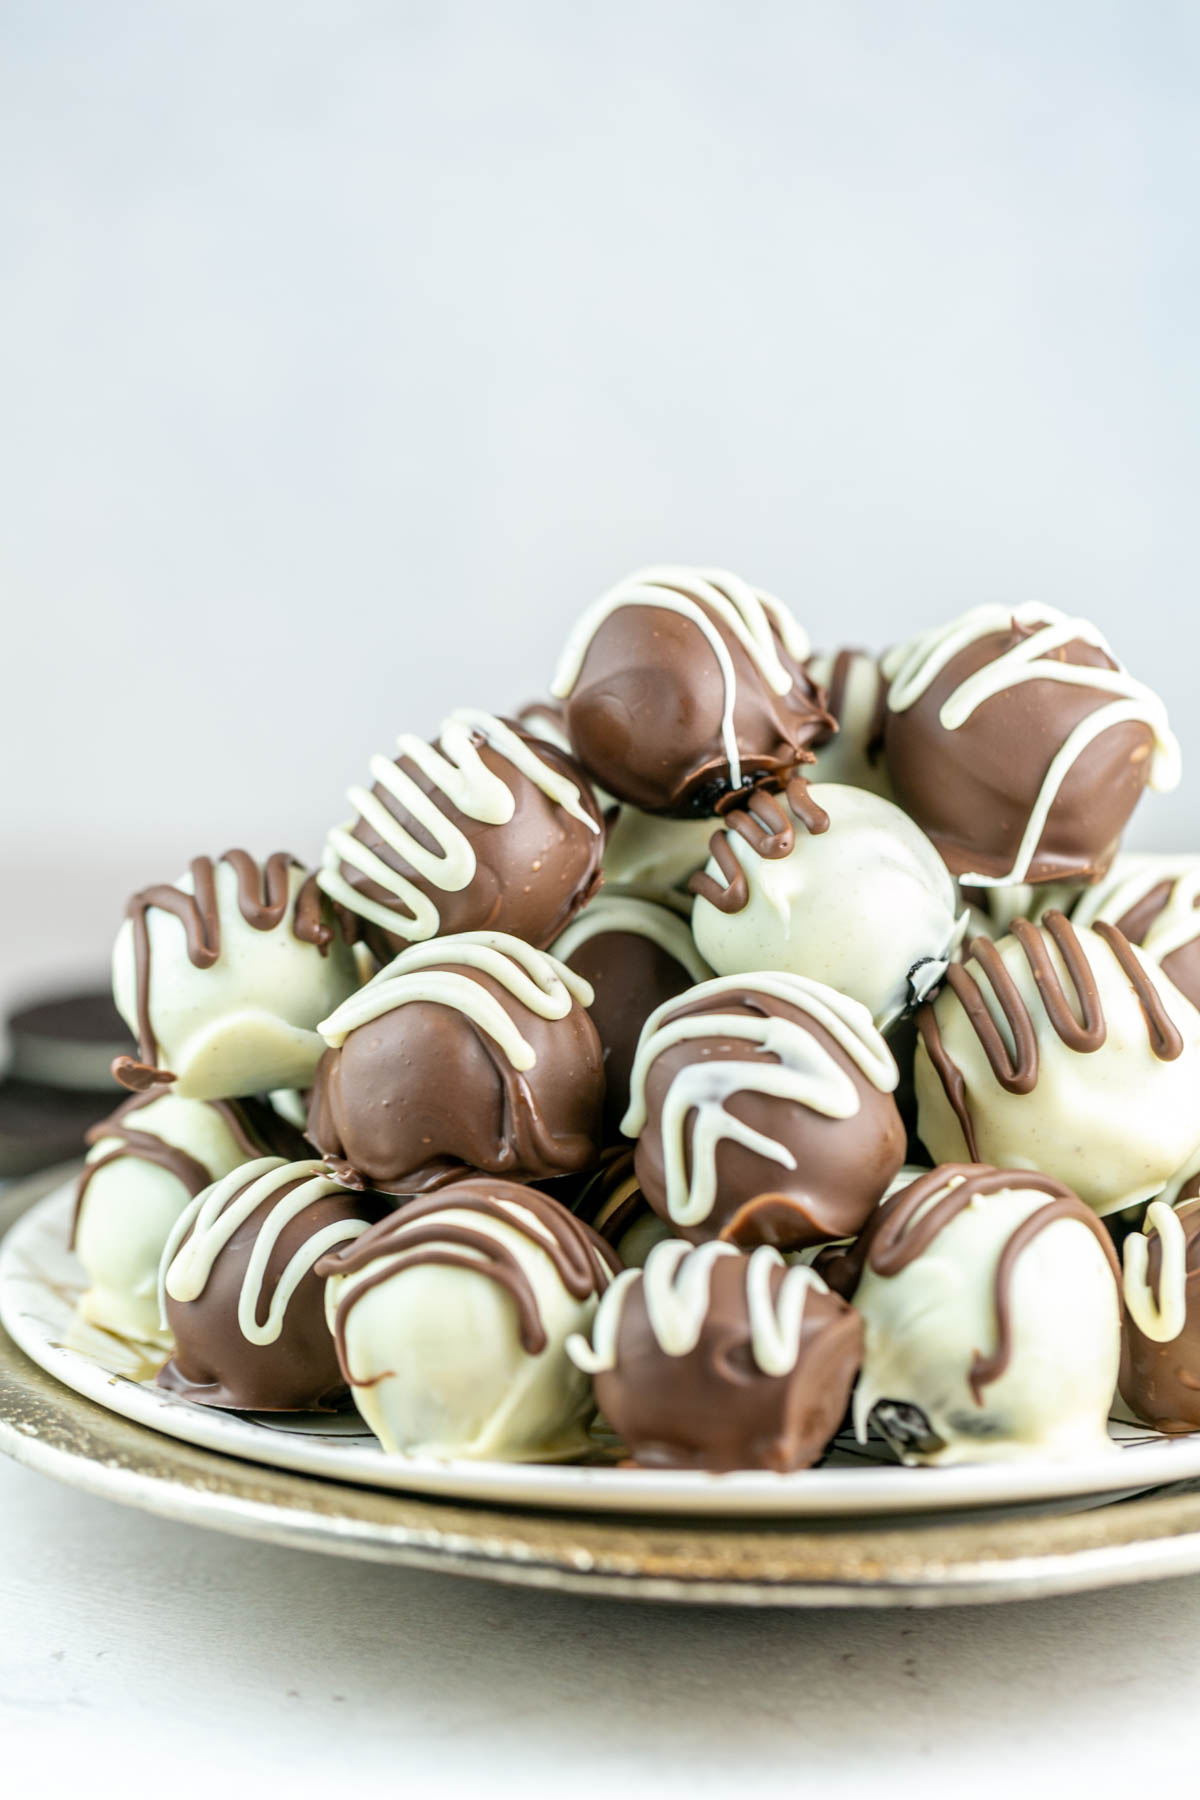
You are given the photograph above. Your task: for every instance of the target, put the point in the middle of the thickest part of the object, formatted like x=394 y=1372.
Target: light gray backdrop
x=350 y=348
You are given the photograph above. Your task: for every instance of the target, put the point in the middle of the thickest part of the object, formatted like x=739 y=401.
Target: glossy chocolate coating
x=645 y=715
x=714 y=1408
x=631 y=975
x=1161 y=1382
x=972 y=790
x=215 y=1365
x=416 y=1096
x=532 y=873
x=842 y=1166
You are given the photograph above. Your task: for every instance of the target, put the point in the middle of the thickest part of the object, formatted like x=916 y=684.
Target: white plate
x=40 y=1284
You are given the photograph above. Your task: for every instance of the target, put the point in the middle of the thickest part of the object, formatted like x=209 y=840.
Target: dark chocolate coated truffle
x=684 y=685
x=1017 y=769
x=472 y=1052
x=255 y=1340
x=764 y=1112
x=491 y=828
x=708 y=1359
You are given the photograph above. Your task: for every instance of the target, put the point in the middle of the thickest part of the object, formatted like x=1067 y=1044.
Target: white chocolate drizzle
x=629 y=913
x=677 y=1287
x=458 y=772
x=912 y=668
x=1163 y=1318
x=704 y=597
x=535 y=979
x=1130 y=881
x=803 y=1073
x=208 y=1225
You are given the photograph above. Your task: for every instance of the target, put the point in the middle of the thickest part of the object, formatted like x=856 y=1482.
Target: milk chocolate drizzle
x=148 y=1147
x=583 y=1261
x=1016 y=1069
x=761 y=822
x=262 y=897
x=896 y=1237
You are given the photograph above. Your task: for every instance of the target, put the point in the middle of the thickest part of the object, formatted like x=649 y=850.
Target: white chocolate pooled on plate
x=992 y=1313
x=832 y=883
x=452 y=1316
x=223 y=977
x=1065 y=1051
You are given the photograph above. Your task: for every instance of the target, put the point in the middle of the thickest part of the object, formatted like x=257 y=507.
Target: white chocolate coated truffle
x=231 y=991
x=856 y=693
x=654 y=856
x=1000 y=1356
x=1064 y=1050
x=132 y=1195
x=863 y=903
x=452 y=1318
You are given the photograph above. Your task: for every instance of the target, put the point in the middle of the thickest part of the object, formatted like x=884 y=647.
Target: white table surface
x=152 y=1658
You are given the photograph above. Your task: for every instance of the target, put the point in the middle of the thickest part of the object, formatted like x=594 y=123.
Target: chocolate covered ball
x=992 y=1307
x=451 y=1320
x=683 y=685
x=763 y=1109
x=1020 y=745
x=489 y=828
x=634 y=955
x=830 y=882
x=223 y=976
x=240 y=1294
x=708 y=1359
x=1154 y=901
x=1160 y=1354
x=1065 y=1050
x=471 y=1052
x=147 y=1162
x=856 y=698
x=612 y=1203
x=647 y=854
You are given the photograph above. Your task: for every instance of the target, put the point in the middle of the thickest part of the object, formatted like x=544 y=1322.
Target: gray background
x=349 y=349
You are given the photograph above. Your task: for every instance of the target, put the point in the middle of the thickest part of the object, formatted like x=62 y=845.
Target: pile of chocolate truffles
x=735 y=1042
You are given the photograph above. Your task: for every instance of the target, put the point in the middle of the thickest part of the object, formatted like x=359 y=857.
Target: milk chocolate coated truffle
x=147 y=1162
x=490 y=828
x=856 y=698
x=223 y=976
x=1160 y=1355
x=239 y=1291
x=451 y=1320
x=763 y=1109
x=833 y=883
x=991 y=1301
x=684 y=685
x=634 y=955
x=707 y=1359
x=1062 y=1050
x=474 y=1051
x=1020 y=745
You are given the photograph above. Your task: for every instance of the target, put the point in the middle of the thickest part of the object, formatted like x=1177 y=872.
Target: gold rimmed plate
x=920 y=1558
